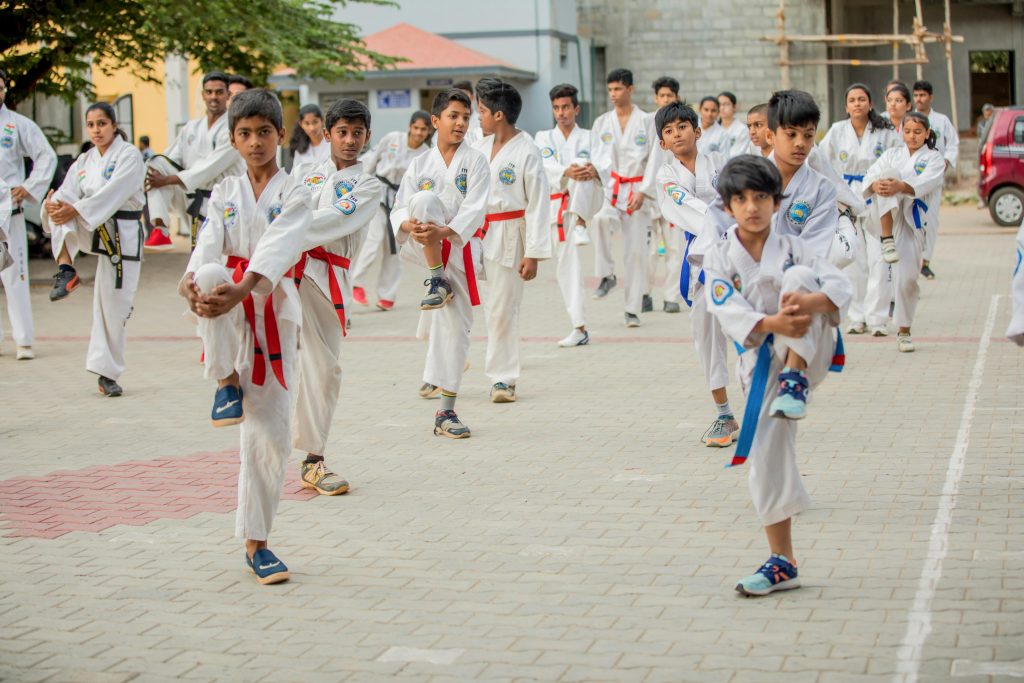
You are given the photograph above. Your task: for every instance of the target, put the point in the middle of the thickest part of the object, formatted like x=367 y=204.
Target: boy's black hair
x=749 y=172
x=666 y=82
x=463 y=85
x=256 y=102
x=216 y=76
x=623 y=76
x=350 y=110
x=445 y=97
x=709 y=98
x=144 y=140
x=565 y=90
x=759 y=109
x=923 y=85
x=791 y=108
x=236 y=78
x=672 y=112
x=497 y=95
x=726 y=93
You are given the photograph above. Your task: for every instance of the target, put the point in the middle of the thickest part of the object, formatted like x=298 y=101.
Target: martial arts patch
x=461 y=181
x=640 y=139
x=720 y=291
x=737 y=282
x=230 y=215
x=507 y=175
x=108 y=172
x=920 y=166
x=584 y=154
x=7 y=136
x=843 y=155
x=346 y=205
x=879 y=150
x=273 y=213
x=798 y=212
x=81 y=175
x=314 y=181
x=675 y=193
x=393 y=147
x=606 y=138
x=425 y=183
x=547 y=152
x=343 y=187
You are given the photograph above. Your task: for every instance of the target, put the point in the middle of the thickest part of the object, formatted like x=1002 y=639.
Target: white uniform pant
x=169 y=200
x=709 y=339
x=931 y=235
x=266 y=433
x=319 y=384
x=502 y=299
x=674 y=240
x=450 y=327
x=16 y=281
x=872 y=280
x=569 y=273
x=910 y=245
x=774 y=480
x=635 y=238
x=377 y=246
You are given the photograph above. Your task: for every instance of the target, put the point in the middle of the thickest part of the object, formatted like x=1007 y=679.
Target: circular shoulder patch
x=676 y=193
x=230 y=215
x=798 y=212
x=314 y=180
x=640 y=139
x=720 y=291
x=108 y=172
x=426 y=183
x=507 y=175
x=844 y=155
x=547 y=152
x=606 y=138
x=920 y=166
x=461 y=182
x=273 y=213
x=346 y=205
x=343 y=187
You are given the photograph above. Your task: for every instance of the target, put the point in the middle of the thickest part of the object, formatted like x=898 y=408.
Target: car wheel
x=1006 y=205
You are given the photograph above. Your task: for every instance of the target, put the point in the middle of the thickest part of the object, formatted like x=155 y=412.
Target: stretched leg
x=15 y=279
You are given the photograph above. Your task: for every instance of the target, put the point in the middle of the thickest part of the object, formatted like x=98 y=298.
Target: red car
x=1001 y=166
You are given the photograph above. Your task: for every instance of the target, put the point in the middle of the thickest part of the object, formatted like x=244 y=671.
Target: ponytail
x=931 y=141
x=108 y=111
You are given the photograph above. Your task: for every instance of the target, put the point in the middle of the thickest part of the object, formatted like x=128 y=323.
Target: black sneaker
x=109 y=387
x=439 y=293
x=64 y=282
x=632 y=320
x=607 y=284
x=671 y=307
x=927 y=273
x=647 y=305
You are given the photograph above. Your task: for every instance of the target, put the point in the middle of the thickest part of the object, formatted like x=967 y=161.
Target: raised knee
x=210 y=275
x=800 y=278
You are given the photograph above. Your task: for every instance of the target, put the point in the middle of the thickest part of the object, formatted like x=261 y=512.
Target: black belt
x=103 y=243
x=16 y=211
x=195 y=210
x=388 y=202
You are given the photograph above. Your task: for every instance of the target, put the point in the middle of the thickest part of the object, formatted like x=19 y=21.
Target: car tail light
x=986 y=157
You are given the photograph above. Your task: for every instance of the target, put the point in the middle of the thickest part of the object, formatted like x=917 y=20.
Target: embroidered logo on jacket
x=108 y=172
x=798 y=212
x=606 y=138
x=7 y=136
x=507 y=175
x=675 y=193
x=640 y=139
x=584 y=154
x=461 y=182
x=720 y=291
x=920 y=166
x=230 y=215
x=273 y=213
x=314 y=181
x=343 y=187
x=844 y=155
x=426 y=183
x=81 y=175
x=547 y=152
x=879 y=149
x=347 y=205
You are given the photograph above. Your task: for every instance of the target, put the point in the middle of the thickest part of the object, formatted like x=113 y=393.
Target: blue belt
x=849 y=178
x=684 y=273
x=916 y=210
x=1020 y=257
x=755 y=399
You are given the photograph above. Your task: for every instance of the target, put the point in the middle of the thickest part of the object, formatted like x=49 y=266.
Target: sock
x=436 y=271
x=63 y=267
x=723 y=409
x=314 y=458
x=886 y=239
x=448 y=400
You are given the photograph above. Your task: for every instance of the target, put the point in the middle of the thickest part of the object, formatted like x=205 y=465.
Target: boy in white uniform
x=576 y=197
x=180 y=180
x=388 y=162
x=1015 y=332
x=625 y=138
x=249 y=314
x=345 y=198
x=737 y=137
x=20 y=137
x=714 y=142
x=778 y=300
x=947 y=141
x=474 y=133
x=516 y=231
x=439 y=210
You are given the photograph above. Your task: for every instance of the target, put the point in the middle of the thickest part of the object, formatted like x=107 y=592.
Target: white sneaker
x=889 y=253
x=25 y=353
x=904 y=343
x=576 y=338
x=580 y=236
x=857 y=328
x=879 y=331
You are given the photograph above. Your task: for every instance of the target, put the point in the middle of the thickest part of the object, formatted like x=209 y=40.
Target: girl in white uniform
x=851 y=146
x=905 y=188
x=714 y=141
x=98 y=210
x=778 y=300
x=737 y=137
x=1015 y=332
x=388 y=162
x=6 y=260
x=307 y=144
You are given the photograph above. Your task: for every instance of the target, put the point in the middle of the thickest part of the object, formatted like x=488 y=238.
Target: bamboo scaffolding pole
x=947 y=30
x=850 y=62
x=895 y=43
x=860 y=39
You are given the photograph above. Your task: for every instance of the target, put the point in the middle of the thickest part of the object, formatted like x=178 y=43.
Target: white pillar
x=176 y=93
x=304 y=95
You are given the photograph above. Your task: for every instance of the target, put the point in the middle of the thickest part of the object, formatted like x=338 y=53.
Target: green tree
x=49 y=46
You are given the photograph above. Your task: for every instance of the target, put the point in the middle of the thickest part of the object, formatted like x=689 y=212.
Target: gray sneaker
x=503 y=393
x=439 y=293
x=447 y=423
x=428 y=390
x=647 y=304
x=670 y=307
x=606 y=285
x=722 y=433
x=632 y=320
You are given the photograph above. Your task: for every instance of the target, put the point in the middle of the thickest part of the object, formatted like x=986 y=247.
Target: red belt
x=321 y=254
x=619 y=180
x=564 y=196
x=467 y=251
x=259 y=366
x=497 y=218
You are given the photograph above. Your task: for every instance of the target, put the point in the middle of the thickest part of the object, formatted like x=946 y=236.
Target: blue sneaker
x=791 y=401
x=777 y=574
x=267 y=568
x=227 y=407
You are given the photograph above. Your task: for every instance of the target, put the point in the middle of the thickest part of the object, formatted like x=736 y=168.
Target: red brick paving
x=132 y=493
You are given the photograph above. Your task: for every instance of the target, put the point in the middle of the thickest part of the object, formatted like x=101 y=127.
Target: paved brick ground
x=581 y=535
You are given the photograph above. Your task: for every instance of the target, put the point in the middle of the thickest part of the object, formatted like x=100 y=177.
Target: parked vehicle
x=1001 y=166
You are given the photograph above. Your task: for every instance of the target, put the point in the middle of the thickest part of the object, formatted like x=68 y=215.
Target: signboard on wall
x=394 y=99
x=439 y=82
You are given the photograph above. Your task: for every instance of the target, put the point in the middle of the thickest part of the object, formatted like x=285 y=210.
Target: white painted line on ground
x=412 y=654
x=919 y=624
x=965 y=667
